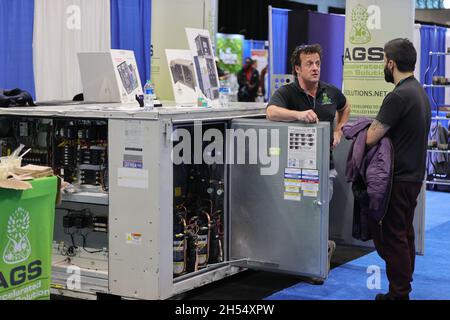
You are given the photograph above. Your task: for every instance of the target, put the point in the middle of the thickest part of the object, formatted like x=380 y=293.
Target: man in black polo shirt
x=405 y=116
x=310 y=100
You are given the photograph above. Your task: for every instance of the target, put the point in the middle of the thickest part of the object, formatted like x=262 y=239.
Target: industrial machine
x=162 y=202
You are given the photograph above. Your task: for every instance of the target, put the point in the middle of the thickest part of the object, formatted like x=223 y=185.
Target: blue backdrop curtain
x=279 y=45
x=328 y=30
x=432 y=39
x=131 y=30
x=16 y=49
x=250 y=45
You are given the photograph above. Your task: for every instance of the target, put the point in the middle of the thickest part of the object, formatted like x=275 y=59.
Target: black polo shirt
x=407 y=111
x=327 y=101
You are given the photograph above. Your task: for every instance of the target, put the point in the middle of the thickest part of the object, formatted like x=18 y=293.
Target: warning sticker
x=302 y=147
x=134 y=238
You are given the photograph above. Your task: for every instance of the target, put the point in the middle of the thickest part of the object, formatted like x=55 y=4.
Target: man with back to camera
x=405 y=116
x=310 y=100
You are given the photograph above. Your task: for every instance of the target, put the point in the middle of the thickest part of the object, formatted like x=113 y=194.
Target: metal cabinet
x=275 y=224
x=265 y=229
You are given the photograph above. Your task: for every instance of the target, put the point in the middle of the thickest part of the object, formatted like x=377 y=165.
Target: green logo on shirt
x=326 y=99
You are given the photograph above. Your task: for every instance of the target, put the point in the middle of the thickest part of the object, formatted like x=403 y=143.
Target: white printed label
x=132 y=178
x=302 y=145
x=312 y=194
x=292 y=196
x=134 y=136
x=311 y=173
x=292 y=189
x=293 y=171
x=310 y=187
x=292 y=183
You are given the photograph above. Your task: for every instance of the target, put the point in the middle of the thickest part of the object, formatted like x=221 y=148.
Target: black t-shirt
x=407 y=111
x=327 y=101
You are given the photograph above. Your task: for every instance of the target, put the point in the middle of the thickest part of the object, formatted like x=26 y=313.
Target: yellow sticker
x=274 y=151
x=292 y=183
x=293 y=189
x=312 y=194
x=178 y=192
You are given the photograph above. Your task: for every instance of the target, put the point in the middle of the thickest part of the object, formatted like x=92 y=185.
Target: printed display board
x=204 y=63
x=184 y=82
x=110 y=76
x=369 y=24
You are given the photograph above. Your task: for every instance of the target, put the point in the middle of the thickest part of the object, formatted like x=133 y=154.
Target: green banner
x=369 y=24
x=229 y=50
x=26 y=235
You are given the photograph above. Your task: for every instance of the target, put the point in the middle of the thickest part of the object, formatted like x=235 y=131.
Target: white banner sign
x=369 y=24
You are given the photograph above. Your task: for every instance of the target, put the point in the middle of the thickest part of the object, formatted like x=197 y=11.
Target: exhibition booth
x=152 y=201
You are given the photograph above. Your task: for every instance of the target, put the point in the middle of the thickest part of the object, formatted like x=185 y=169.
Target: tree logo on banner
x=360 y=34
x=18 y=248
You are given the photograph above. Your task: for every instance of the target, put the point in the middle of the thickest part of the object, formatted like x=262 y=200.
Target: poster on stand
x=261 y=56
x=229 y=49
x=169 y=20
x=204 y=63
x=182 y=73
x=111 y=76
x=127 y=75
x=369 y=25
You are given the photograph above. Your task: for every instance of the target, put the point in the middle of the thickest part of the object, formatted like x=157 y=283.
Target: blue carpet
x=431 y=277
x=437 y=209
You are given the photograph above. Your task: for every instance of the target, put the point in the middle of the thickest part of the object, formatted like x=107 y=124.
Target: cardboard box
x=20 y=176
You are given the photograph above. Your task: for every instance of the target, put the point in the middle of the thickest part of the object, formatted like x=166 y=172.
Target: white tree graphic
x=18 y=248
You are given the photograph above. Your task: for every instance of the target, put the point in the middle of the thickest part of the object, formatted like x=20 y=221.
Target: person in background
x=222 y=74
x=310 y=100
x=248 y=79
x=262 y=83
x=405 y=116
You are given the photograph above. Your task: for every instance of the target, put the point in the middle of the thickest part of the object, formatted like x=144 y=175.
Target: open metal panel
x=270 y=228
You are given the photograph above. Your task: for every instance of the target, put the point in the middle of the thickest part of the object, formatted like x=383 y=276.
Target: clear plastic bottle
x=224 y=93
x=149 y=95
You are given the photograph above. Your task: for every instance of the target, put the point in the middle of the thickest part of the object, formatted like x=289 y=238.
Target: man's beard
x=388 y=75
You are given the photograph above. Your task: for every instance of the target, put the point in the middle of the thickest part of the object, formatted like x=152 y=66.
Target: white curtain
x=62 y=28
x=417 y=46
x=447 y=66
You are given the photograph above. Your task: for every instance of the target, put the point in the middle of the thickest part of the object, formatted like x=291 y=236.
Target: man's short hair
x=402 y=51
x=249 y=60
x=305 y=49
